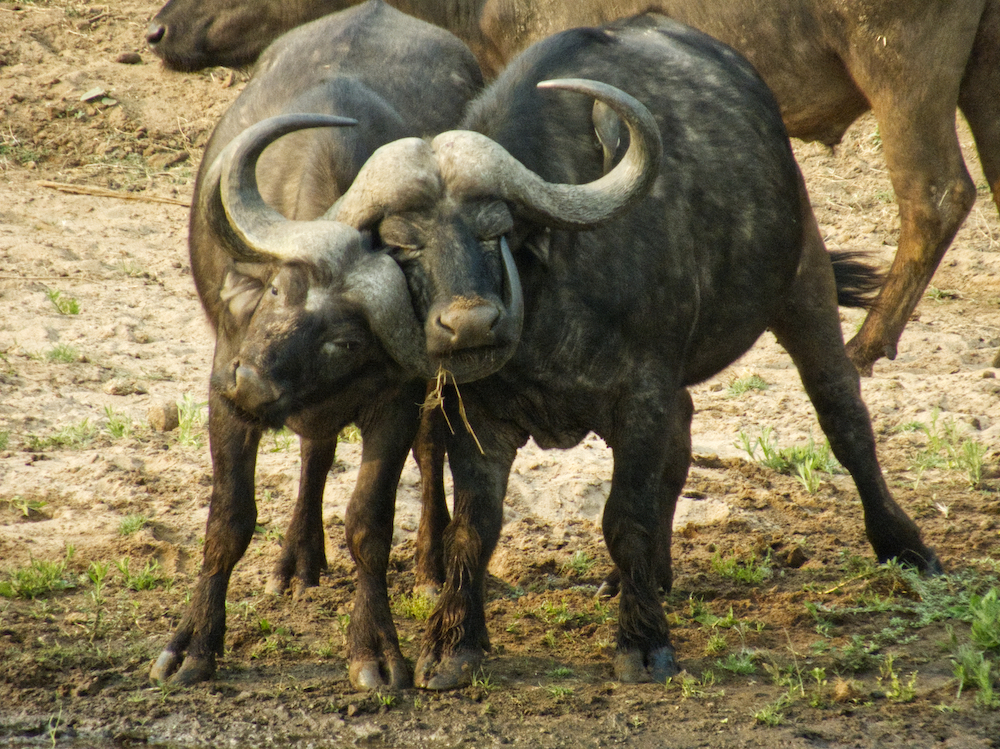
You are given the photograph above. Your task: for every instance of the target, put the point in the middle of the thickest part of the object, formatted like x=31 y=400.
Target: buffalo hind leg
x=979 y=100
x=190 y=655
x=303 y=552
x=808 y=327
x=932 y=186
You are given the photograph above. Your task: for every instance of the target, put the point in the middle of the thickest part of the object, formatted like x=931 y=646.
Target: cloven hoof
x=631 y=667
x=374 y=674
x=450 y=672
x=191 y=671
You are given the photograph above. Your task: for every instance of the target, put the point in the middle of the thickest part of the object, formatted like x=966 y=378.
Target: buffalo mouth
x=469 y=364
x=255 y=399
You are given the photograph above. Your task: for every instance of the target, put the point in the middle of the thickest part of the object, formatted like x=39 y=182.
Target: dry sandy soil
x=86 y=483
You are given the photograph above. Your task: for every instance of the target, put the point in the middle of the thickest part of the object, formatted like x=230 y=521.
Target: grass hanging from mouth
x=435 y=399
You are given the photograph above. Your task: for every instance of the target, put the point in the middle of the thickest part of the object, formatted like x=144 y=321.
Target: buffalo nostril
x=462 y=326
x=155 y=33
x=249 y=389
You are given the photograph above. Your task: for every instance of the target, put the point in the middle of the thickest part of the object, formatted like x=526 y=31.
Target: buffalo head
x=307 y=304
x=445 y=209
x=193 y=34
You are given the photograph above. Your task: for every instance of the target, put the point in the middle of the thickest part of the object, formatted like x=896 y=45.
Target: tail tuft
x=858 y=282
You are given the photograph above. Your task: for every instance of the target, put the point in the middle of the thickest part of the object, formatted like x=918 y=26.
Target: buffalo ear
x=242 y=293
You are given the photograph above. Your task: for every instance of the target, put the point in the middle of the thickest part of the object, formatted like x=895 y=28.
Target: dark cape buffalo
x=315 y=321
x=828 y=61
x=314 y=326
x=621 y=319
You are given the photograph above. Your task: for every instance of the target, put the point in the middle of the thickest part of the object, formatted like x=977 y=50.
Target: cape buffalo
x=621 y=319
x=910 y=61
x=315 y=322
x=314 y=327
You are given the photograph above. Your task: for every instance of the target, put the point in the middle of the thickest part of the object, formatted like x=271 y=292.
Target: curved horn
x=252 y=230
x=377 y=284
x=475 y=164
x=258 y=233
x=379 y=189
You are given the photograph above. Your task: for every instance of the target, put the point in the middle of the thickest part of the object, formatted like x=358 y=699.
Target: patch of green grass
x=70 y=437
x=746 y=570
x=65 y=305
x=985 y=613
x=117 y=425
x=702 y=614
x=973 y=670
x=579 y=564
x=63 y=353
x=559 y=691
x=132 y=524
x=941 y=295
x=350 y=434
x=803 y=461
x=282 y=441
x=745 y=384
x=25 y=506
x=415 y=606
x=561 y=672
x=896 y=690
x=948 y=448
x=38 y=579
x=739 y=663
x=148 y=578
x=4 y=439
x=192 y=416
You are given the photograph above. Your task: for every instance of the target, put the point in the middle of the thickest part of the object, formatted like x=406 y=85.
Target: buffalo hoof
x=375 y=674
x=450 y=672
x=191 y=671
x=633 y=667
x=925 y=561
x=610 y=585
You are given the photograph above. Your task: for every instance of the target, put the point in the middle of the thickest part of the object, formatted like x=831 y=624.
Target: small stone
x=129 y=58
x=123 y=386
x=164 y=416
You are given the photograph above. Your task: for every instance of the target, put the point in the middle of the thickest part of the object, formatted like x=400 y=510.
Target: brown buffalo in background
x=912 y=62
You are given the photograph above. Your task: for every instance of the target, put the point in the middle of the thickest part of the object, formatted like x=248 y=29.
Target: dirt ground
x=788 y=633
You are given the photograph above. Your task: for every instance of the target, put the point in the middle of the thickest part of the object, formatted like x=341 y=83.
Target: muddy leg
x=674 y=477
x=979 y=100
x=374 y=658
x=456 y=636
x=809 y=329
x=303 y=553
x=651 y=462
x=933 y=188
x=429 y=452
x=231 y=519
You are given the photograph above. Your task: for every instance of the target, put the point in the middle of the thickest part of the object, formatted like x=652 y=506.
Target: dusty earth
x=99 y=322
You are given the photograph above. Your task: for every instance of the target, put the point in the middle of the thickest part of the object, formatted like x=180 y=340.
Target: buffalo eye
x=493 y=221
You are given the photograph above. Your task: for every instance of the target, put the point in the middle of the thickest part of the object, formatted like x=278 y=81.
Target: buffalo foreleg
x=456 y=636
x=429 y=452
x=374 y=657
x=651 y=466
x=190 y=655
x=303 y=553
